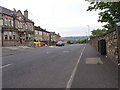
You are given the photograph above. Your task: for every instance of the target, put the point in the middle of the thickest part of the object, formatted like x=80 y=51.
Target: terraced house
x=54 y=38
x=50 y=38
x=16 y=28
x=38 y=33
x=42 y=35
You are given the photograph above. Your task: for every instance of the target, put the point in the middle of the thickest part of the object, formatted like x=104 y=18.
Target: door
x=102 y=46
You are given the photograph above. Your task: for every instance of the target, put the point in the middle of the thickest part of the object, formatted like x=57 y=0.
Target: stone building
x=46 y=36
x=16 y=28
x=38 y=33
x=58 y=37
x=54 y=38
x=42 y=35
x=50 y=38
x=110 y=44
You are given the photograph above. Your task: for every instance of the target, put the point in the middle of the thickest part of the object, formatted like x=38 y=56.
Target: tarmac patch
x=95 y=60
x=52 y=46
x=65 y=51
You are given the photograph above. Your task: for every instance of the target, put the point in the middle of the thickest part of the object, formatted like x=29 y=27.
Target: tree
x=110 y=12
x=98 y=32
x=78 y=41
x=69 y=42
x=84 y=41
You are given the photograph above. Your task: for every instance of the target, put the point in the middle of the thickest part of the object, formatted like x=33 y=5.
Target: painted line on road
x=74 y=71
x=5 y=66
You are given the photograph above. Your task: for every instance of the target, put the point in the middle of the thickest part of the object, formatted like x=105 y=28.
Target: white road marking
x=5 y=66
x=74 y=71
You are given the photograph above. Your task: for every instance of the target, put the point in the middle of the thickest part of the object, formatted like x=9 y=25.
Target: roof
x=26 y=19
x=6 y=11
x=40 y=29
x=10 y=13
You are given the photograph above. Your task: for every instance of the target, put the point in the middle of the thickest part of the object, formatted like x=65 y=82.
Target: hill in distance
x=74 y=38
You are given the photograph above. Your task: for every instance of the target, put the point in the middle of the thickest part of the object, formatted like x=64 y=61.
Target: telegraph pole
x=88 y=32
x=86 y=36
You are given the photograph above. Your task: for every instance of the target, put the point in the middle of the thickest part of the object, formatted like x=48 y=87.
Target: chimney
x=14 y=11
x=26 y=13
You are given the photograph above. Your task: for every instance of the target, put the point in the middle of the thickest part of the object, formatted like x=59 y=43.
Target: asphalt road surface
x=56 y=67
x=41 y=67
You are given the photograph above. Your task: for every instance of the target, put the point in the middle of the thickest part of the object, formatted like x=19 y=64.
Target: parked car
x=38 y=43
x=60 y=43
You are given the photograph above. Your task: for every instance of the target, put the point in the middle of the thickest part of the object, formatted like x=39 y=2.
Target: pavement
x=71 y=66
x=93 y=75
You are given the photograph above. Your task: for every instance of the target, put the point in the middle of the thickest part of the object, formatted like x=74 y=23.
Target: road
x=56 y=67
x=41 y=67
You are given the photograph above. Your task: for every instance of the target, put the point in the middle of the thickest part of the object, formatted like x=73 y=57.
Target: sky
x=66 y=17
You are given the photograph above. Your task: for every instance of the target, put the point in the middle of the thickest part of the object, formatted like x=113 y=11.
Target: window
x=36 y=32
x=18 y=24
x=6 y=35
x=5 y=22
x=21 y=25
x=40 y=33
x=25 y=26
x=26 y=37
x=29 y=36
x=14 y=35
x=28 y=27
x=10 y=35
x=12 y=23
x=9 y=23
x=1 y=22
x=32 y=27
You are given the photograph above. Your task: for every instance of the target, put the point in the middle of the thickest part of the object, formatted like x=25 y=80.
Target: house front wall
x=9 y=34
x=38 y=35
x=44 y=36
x=12 y=28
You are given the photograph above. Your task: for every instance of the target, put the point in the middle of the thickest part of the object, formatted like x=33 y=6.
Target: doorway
x=102 y=46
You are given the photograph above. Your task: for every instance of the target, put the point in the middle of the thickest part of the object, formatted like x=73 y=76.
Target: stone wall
x=118 y=33
x=10 y=43
x=112 y=38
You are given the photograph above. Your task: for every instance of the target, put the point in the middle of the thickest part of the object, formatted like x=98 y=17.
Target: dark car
x=60 y=43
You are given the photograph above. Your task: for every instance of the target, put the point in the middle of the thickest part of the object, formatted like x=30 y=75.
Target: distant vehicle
x=60 y=43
